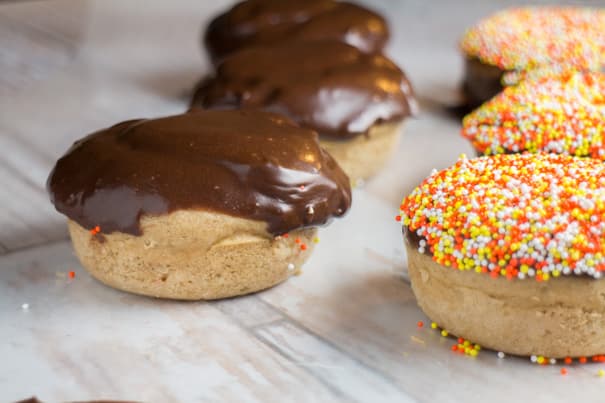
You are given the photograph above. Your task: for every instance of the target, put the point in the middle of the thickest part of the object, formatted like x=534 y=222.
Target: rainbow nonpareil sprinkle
x=525 y=38
x=515 y=216
x=558 y=113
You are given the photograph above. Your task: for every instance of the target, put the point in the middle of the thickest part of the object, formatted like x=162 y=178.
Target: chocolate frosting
x=269 y=21
x=481 y=81
x=328 y=86
x=253 y=165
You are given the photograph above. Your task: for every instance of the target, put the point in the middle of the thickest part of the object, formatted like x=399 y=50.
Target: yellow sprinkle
x=444 y=333
x=433 y=325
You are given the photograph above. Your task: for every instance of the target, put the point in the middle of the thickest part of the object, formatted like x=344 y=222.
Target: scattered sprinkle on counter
x=469 y=348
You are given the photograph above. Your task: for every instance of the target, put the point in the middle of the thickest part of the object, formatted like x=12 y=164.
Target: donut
x=509 y=251
x=556 y=113
x=355 y=101
x=203 y=205
x=521 y=39
x=256 y=22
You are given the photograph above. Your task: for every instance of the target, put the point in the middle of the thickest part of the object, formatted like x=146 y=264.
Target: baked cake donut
x=355 y=101
x=557 y=113
x=509 y=251
x=204 y=205
x=255 y=22
x=522 y=39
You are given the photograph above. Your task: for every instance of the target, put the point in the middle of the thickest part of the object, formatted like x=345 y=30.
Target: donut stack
x=508 y=249
x=224 y=200
x=319 y=63
x=509 y=44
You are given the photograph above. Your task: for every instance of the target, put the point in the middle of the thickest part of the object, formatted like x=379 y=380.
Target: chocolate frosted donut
x=200 y=199
x=256 y=22
x=508 y=251
x=522 y=39
x=557 y=113
x=354 y=100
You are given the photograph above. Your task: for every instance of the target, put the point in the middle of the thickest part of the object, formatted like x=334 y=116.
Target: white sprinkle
x=533 y=358
x=501 y=354
x=290 y=266
x=310 y=210
x=25 y=307
x=553 y=361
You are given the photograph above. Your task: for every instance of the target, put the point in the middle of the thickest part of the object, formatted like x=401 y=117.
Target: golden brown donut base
x=481 y=81
x=562 y=317
x=363 y=156
x=192 y=255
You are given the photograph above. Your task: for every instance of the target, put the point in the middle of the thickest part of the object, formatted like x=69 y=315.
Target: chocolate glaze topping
x=269 y=21
x=481 y=81
x=253 y=165
x=328 y=86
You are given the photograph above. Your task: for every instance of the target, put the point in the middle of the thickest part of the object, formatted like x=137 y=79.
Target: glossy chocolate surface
x=330 y=87
x=270 y=21
x=253 y=165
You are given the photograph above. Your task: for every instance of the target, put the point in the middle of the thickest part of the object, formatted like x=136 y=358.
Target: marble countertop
x=344 y=330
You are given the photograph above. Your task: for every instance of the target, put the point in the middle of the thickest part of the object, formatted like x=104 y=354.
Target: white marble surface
x=345 y=330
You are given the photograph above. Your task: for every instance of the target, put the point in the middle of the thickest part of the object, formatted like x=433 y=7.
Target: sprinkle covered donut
x=526 y=38
x=484 y=237
x=558 y=113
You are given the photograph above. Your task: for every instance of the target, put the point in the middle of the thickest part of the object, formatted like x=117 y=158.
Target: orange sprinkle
x=303 y=247
x=420 y=323
x=563 y=371
x=71 y=274
x=582 y=360
x=568 y=360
